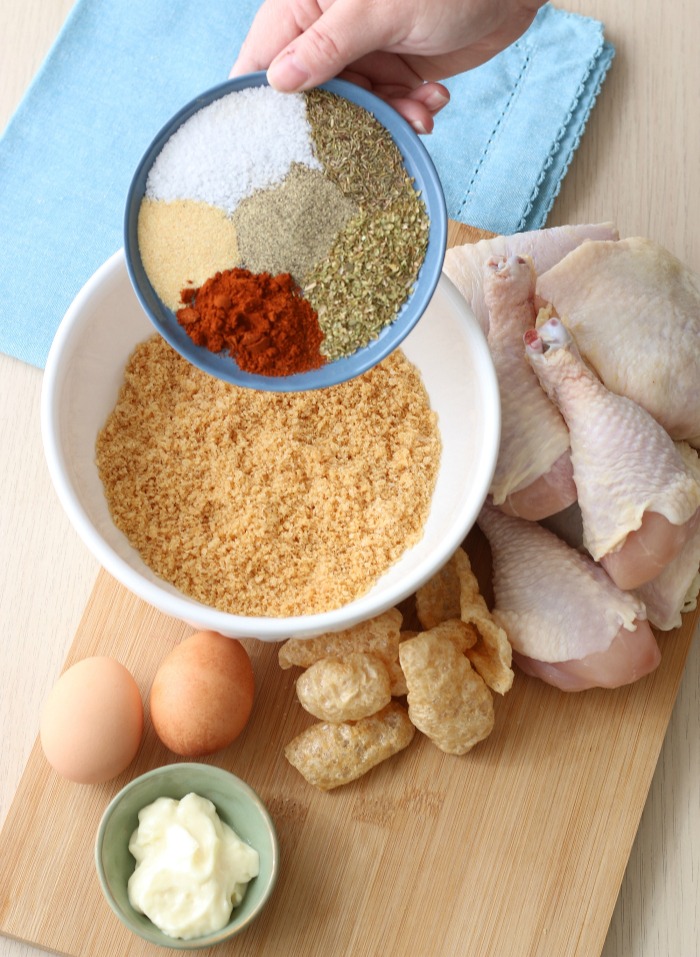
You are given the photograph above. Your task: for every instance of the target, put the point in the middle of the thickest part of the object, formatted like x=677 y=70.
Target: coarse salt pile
x=213 y=158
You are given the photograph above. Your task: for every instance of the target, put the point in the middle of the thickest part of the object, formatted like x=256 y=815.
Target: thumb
x=340 y=36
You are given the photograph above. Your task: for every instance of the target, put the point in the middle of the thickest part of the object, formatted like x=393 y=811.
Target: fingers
x=419 y=116
x=301 y=47
x=273 y=28
x=417 y=106
x=344 y=33
x=420 y=106
x=433 y=96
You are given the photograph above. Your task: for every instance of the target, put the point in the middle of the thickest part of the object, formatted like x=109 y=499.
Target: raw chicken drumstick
x=533 y=476
x=568 y=623
x=638 y=497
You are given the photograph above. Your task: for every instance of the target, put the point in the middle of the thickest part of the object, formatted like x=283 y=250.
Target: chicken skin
x=464 y=265
x=634 y=311
x=637 y=495
x=675 y=590
x=568 y=623
x=533 y=476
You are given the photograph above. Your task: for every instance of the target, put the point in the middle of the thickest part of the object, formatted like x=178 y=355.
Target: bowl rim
x=411 y=149
x=255 y=800
x=186 y=609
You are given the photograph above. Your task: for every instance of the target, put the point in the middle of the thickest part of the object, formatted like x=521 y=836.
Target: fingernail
x=419 y=128
x=287 y=73
x=435 y=101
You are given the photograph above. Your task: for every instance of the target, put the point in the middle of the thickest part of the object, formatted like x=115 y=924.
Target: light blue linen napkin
x=119 y=70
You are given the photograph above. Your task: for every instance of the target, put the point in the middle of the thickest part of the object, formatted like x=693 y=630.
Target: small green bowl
x=237 y=805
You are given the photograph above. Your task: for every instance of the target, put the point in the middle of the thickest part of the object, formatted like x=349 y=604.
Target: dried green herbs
x=373 y=264
x=367 y=276
x=355 y=150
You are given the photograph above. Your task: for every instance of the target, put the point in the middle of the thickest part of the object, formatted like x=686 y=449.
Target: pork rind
x=492 y=654
x=405 y=635
x=329 y=755
x=396 y=678
x=462 y=635
x=398 y=681
x=379 y=636
x=438 y=599
x=454 y=593
x=345 y=689
x=447 y=700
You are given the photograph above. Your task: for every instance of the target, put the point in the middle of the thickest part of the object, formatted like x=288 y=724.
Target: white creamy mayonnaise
x=191 y=868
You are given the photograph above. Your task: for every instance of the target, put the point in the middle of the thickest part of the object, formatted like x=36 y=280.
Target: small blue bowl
x=418 y=165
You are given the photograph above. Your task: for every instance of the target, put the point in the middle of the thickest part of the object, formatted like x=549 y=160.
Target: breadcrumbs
x=264 y=503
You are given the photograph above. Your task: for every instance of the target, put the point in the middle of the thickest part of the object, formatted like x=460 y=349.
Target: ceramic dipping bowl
x=237 y=805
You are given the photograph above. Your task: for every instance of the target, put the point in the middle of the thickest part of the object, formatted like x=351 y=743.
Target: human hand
x=398 y=49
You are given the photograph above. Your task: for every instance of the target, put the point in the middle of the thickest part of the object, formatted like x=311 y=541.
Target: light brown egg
x=92 y=721
x=202 y=694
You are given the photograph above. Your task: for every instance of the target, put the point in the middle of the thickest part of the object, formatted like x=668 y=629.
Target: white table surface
x=638 y=165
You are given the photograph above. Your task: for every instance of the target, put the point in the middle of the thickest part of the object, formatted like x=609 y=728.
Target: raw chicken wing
x=636 y=493
x=567 y=621
x=533 y=476
x=634 y=310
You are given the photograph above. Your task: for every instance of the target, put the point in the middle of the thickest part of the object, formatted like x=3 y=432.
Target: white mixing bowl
x=83 y=375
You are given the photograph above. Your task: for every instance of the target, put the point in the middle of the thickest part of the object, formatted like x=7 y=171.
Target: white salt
x=240 y=143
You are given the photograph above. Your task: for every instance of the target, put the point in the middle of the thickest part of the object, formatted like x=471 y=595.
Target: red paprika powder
x=262 y=321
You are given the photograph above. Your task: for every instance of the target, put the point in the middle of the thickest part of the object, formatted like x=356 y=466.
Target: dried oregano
x=368 y=274
x=373 y=264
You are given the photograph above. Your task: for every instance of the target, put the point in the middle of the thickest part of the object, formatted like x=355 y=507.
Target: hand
x=398 y=49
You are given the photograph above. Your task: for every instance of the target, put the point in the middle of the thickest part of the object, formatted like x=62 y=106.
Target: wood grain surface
x=530 y=830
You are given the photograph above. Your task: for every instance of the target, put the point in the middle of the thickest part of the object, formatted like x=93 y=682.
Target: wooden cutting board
x=515 y=849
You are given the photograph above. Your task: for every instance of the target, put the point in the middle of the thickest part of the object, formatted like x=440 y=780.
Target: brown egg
x=92 y=721
x=202 y=694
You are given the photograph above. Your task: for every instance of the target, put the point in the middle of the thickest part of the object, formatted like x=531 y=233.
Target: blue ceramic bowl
x=418 y=165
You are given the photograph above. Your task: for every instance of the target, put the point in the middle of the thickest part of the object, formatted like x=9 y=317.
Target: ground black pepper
x=291 y=227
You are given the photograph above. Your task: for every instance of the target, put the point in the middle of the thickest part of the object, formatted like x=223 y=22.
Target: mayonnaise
x=191 y=868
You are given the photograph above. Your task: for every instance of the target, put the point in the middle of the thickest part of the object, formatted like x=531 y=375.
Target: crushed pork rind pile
x=447 y=672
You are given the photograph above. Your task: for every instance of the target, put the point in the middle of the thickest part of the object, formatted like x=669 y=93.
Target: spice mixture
x=313 y=186
x=369 y=272
x=371 y=268
x=240 y=143
x=355 y=151
x=260 y=503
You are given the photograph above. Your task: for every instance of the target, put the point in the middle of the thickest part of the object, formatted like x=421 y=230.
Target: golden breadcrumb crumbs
x=263 y=503
x=182 y=244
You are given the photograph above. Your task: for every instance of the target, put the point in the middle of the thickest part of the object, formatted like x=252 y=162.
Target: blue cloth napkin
x=119 y=70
